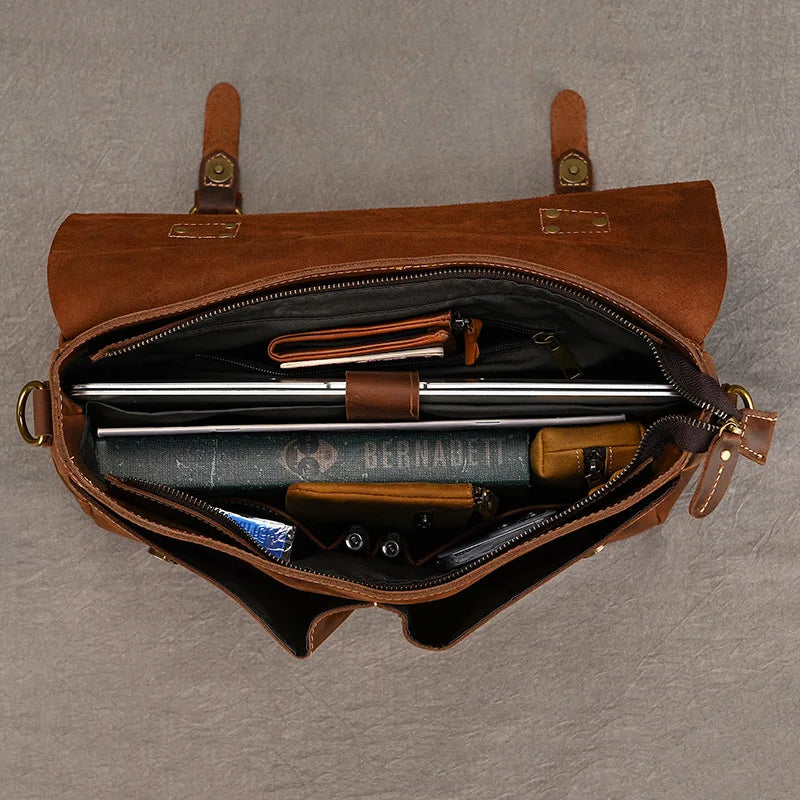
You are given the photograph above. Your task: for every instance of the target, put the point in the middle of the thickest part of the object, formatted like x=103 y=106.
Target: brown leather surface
x=568 y=124
x=757 y=430
x=663 y=251
x=568 y=139
x=42 y=414
x=220 y=141
x=325 y=624
x=716 y=474
x=222 y=121
x=395 y=504
x=658 y=513
x=431 y=330
x=382 y=396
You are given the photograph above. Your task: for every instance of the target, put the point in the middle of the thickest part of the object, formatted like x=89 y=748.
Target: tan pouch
x=581 y=457
x=402 y=506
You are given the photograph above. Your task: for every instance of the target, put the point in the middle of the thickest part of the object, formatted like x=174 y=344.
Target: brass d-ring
x=27 y=390
x=739 y=391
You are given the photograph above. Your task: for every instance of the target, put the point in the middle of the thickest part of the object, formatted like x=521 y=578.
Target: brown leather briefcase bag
x=578 y=288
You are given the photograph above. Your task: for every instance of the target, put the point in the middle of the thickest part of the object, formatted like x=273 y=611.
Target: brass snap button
x=573 y=170
x=219 y=169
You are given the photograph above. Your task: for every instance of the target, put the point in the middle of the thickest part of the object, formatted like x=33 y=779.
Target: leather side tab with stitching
x=716 y=475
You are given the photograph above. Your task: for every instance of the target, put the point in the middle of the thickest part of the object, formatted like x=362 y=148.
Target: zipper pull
x=485 y=501
x=471 y=329
x=563 y=358
x=594 y=466
x=750 y=437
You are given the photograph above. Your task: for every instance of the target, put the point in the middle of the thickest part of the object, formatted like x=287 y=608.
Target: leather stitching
x=713 y=489
x=545 y=222
x=771 y=418
x=233 y=232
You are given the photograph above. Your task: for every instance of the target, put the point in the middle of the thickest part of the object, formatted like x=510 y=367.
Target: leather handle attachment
x=218 y=181
x=569 y=146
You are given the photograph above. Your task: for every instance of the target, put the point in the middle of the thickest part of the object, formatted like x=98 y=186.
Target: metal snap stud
x=573 y=170
x=219 y=169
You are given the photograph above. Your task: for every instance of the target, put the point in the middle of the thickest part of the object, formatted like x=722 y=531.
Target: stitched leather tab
x=716 y=475
x=382 y=396
x=757 y=430
x=218 y=185
x=569 y=147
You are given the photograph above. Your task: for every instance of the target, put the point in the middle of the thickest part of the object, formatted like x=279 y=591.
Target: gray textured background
x=666 y=668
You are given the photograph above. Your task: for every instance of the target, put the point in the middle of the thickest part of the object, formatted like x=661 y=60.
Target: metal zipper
x=465 y=271
x=208 y=510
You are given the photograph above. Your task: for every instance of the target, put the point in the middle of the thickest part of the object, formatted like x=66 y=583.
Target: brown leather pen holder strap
x=383 y=396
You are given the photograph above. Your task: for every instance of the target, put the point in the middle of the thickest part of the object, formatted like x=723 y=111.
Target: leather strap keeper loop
x=382 y=396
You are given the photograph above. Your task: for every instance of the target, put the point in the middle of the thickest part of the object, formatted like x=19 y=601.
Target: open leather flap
x=660 y=247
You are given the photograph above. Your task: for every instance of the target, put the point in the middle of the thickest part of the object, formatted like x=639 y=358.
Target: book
x=249 y=461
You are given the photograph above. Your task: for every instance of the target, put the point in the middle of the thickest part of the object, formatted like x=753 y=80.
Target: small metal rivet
x=179 y=229
x=725 y=455
x=230 y=225
x=600 y=222
x=552 y=229
x=225 y=235
x=552 y=213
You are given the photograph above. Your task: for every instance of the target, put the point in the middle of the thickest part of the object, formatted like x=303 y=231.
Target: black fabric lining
x=440 y=622
x=603 y=348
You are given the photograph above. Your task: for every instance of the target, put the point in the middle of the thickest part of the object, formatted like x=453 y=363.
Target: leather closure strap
x=569 y=146
x=752 y=440
x=384 y=396
x=716 y=475
x=218 y=182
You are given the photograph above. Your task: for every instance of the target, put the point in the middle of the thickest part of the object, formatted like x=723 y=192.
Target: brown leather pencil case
x=430 y=507
x=428 y=336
